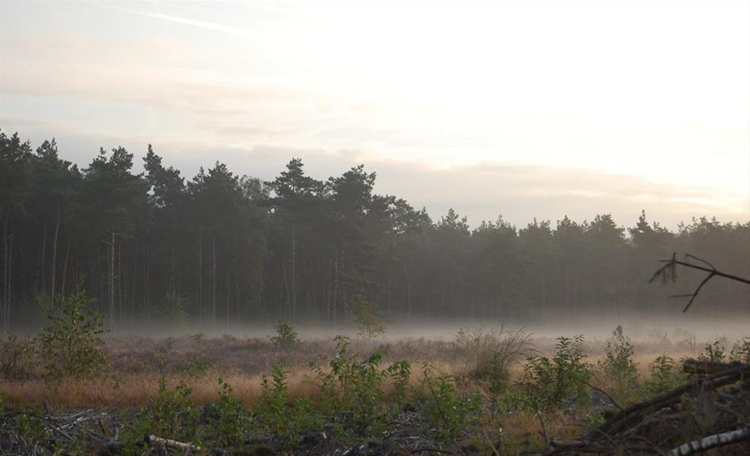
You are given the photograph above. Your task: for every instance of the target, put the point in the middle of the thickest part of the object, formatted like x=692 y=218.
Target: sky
x=522 y=109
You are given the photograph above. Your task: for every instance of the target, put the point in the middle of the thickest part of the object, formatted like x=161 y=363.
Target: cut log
x=711 y=441
x=169 y=443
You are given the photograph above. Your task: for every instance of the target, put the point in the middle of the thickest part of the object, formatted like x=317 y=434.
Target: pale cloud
x=536 y=107
x=481 y=192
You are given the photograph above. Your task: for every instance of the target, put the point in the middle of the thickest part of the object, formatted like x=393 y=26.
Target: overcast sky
x=525 y=109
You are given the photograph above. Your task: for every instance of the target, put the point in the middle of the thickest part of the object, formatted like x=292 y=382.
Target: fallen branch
x=712 y=441
x=711 y=382
x=429 y=450
x=692 y=366
x=169 y=443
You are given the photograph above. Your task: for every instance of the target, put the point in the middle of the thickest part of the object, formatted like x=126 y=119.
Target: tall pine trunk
x=200 y=275
x=65 y=269
x=213 y=284
x=8 y=274
x=334 y=298
x=7 y=257
x=294 y=268
x=54 y=252
x=112 y=280
x=44 y=257
x=119 y=285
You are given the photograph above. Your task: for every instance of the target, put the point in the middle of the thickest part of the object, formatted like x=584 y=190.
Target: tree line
x=222 y=248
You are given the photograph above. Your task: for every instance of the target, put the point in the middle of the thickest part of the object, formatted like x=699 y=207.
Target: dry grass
x=475 y=352
x=137 y=364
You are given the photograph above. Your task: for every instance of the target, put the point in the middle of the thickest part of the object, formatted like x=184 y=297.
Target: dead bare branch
x=668 y=273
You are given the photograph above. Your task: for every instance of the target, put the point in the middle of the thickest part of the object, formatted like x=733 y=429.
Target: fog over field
x=356 y=228
x=505 y=163
x=669 y=330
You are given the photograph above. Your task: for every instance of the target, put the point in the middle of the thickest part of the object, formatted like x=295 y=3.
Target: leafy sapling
x=70 y=344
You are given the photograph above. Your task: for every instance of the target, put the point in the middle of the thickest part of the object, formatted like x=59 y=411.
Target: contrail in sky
x=221 y=28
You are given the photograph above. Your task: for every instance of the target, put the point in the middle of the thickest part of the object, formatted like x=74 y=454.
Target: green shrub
x=741 y=350
x=17 y=357
x=285 y=418
x=369 y=323
x=345 y=381
x=451 y=412
x=29 y=426
x=368 y=407
x=499 y=375
x=487 y=355
x=714 y=352
x=173 y=414
x=194 y=368
x=356 y=387
x=132 y=435
x=198 y=337
x=286 y=337
x=228 y=425
x=618 y=367
x=558 y=381
x=400 y=373
x=70 y=343
x=172 y=310
x=665 y=375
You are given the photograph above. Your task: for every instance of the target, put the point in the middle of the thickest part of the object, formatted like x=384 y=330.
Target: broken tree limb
x=668 y=272
x=711 y=441
x=692 y=366
x=710 y=382
x=169 y=443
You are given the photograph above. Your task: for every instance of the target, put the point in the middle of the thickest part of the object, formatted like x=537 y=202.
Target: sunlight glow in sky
x=525 y=108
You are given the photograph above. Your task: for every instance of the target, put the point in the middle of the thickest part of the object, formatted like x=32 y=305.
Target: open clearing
x=482 y=391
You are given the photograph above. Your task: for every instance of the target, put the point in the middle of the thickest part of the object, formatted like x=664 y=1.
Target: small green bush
x=173 y=414
x=618 y=367
x=400 y=373
x=284 y=417
x=558 y=381
x=286 y=337
x=172 y=310
x=714 y=352
x=365 y=312
x=357 y=388
x=741 y=351
x=487 y=354
x=352 y=387
x=70 y=344
x=499 y=375
x=17 y=357
x=665 y=376
x=29 y=426
x=451 y=412
x=194 y=368
x=229 y=424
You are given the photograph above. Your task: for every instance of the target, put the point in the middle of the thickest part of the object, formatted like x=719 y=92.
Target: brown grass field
x=137 y=363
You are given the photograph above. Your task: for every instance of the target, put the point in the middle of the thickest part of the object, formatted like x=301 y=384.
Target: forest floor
x=478 y=393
